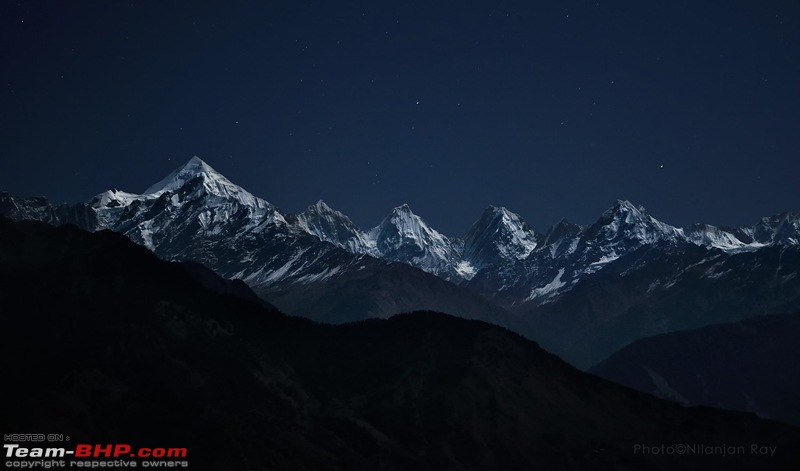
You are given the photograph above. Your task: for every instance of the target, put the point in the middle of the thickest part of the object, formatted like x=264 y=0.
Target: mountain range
x=582 y=292
x=105 y=343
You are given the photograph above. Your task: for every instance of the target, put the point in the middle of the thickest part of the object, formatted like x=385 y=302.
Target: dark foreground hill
x=105 y=343
x=748 y=365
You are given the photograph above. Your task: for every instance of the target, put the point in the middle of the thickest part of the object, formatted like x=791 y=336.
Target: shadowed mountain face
x=381 y=290
x=663 y=288
x=748 y=365
x=582 y=292
x=299 y=263
x=119 y=346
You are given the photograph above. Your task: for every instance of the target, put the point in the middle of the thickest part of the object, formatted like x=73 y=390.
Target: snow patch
x=465 y=269
x=604 y=260
x=146 y=232
x=282 y=271
x=324 y=275
x=713 y=274
x=549 y=289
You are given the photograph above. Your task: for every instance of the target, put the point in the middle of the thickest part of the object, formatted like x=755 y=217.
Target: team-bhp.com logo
x=84 y=455
x=111 y=450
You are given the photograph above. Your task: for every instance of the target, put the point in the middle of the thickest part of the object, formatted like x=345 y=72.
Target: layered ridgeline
x=748 y=365
x=120 y=347
x=196 y=214
x=581 y=291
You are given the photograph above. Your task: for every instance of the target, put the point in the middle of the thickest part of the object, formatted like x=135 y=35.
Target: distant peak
x=624 y=221
x=788 y=216
x=210 y=182
x=321 y=207
x=402 y=216
x=625 y=206
x=196 y=161
x=562 y=229
x=492 y=209
x=499 y=217
x=564 y=222
x=194 y=167
x=498 y=233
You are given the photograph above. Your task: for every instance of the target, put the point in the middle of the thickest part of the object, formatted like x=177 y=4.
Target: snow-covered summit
x=561 y=238
x=403 y=225
x=175 y=179
x=402 y=228
x=626 y=222
x=783 y=228
x=404 y=236
x=333 y=226
x=113 y=198
x=213 y=182
x=194 y=192
x=499 y=236
x=707 y=235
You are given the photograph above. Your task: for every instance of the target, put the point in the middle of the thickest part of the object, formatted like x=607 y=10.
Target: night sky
x=552 y=109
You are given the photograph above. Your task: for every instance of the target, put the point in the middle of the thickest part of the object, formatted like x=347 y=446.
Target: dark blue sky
x=552 y=109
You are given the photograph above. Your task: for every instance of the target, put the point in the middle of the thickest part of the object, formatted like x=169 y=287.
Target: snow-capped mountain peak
x=194 y=197
x=193 y=168
x=626 y=210
x=404 y=236
x=332 y=226
x=498 y=236
x=404 y=210
x=113 y=198
x=322 y=208
x=561 y=238
x=195 y=212
x=782 y=228
x=626 y=222
x=213 y=182
x=405 y=224
x=707 y=235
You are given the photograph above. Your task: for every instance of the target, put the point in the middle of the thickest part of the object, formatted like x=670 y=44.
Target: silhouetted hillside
x=748 y=365
x=104 y=342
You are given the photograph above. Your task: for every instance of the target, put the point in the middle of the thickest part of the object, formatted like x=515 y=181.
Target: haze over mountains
x=583 y=292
